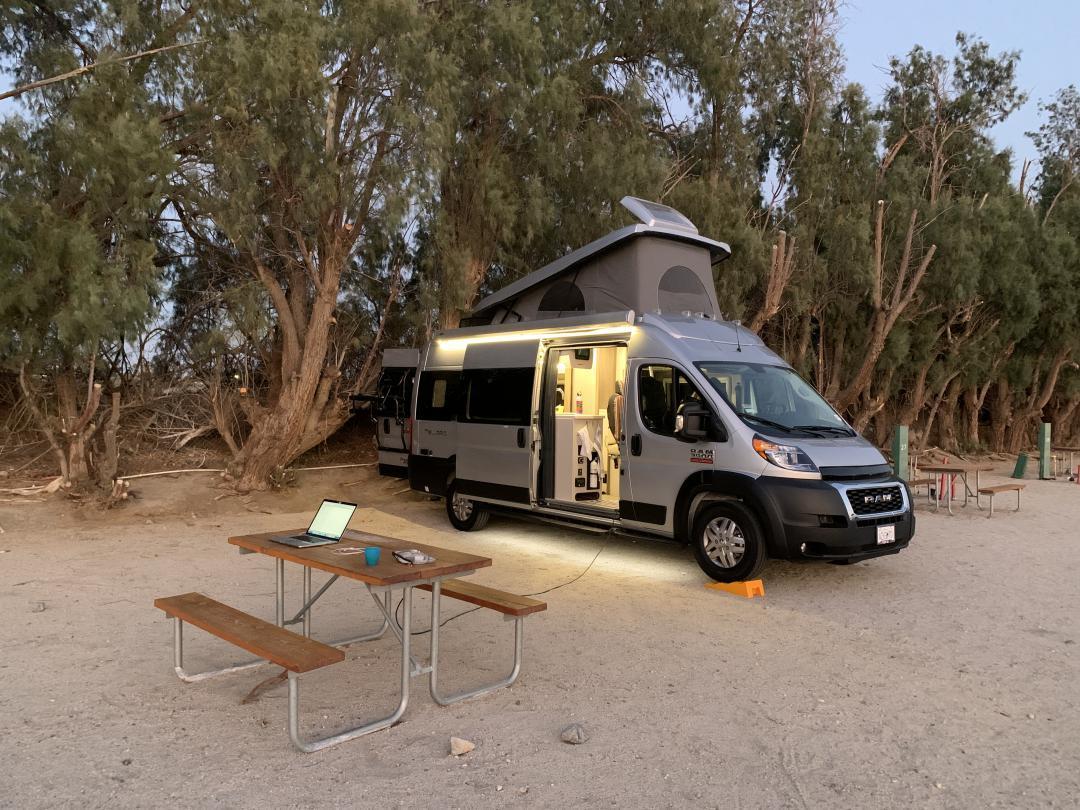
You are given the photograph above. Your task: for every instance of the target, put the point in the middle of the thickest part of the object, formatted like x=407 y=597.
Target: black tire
x=469 y=516
x=735 y=525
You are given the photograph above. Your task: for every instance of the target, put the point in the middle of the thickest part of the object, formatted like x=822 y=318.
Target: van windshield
x=774 y=398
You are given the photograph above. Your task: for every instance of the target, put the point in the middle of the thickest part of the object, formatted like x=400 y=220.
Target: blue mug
x=371 y=555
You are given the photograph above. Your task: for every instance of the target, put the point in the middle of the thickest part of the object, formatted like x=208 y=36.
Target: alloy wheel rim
x=463 y=507
x=724 y=542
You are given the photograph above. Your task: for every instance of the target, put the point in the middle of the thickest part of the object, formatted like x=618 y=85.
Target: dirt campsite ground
x=945 y=676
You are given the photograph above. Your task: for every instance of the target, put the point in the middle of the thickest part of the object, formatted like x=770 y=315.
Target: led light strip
x=517 y=337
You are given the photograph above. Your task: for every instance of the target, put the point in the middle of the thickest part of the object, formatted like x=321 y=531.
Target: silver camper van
x=605 y=390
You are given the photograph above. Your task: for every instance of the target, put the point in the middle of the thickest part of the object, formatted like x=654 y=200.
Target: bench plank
x=510 y=604
x=1001 y=488
x=276 y=644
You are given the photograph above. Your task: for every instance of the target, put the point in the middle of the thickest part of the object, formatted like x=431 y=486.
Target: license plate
x=886 y=535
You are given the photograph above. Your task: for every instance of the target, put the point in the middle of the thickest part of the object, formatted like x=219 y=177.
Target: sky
x=1044 y=31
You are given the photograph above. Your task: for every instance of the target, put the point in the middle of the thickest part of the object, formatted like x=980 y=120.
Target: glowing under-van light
x=517 y=337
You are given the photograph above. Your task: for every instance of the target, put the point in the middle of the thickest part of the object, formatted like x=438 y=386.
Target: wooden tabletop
x=388 y=571
x=959 y=467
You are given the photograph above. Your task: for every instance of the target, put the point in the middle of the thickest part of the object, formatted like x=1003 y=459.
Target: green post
x=1021 y=466
x=900 y=452
x=1045 y=471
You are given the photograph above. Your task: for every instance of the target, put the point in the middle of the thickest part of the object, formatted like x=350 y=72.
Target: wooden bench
x=508 y=604
x=511 y=605
x=994 y=490
x=268 y=641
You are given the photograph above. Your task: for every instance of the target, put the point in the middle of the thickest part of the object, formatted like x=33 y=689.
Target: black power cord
x=537 y=593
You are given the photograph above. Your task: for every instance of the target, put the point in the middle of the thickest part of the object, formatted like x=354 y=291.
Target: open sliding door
x=495 y=423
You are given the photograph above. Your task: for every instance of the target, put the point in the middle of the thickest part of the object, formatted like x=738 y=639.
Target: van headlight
x=787 y=456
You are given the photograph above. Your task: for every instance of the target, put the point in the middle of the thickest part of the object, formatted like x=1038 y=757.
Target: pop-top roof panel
x=654 y=213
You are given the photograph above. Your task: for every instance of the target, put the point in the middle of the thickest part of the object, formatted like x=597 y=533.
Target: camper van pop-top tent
x=661 y=265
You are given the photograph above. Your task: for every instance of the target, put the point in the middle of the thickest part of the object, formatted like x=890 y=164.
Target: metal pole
x=359 y=731
x=280 y=608
x=307 y=600
x=307 y=606
x=178 y=644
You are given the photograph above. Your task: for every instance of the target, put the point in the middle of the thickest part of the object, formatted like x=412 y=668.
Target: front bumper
x=815 y=520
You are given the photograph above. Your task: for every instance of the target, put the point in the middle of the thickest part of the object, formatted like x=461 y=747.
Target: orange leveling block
x=749 y=588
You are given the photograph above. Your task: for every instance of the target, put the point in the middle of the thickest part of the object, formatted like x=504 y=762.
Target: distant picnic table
x=960 y=469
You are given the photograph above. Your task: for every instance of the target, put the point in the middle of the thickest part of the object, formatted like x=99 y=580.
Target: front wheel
x=728 y=542
x=466 y=515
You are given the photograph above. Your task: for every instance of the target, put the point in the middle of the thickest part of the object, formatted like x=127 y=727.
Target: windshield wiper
x=843 y=431
x=768 y=422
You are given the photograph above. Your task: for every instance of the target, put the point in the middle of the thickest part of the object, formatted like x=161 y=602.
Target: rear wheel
x=466 y=515
x=728 y=542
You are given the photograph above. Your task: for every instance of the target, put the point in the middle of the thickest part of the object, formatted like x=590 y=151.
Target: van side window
x=498 y=396
x=439 y=395
x=661 y=390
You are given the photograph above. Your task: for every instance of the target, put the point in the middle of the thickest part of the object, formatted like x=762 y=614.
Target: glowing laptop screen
x=331 y=519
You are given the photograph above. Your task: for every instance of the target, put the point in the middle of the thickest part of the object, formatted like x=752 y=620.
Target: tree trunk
x=781 y=267
x=1000 y=415
x=973 y=402
x=886 y=312
x=109 y=463
x=70 y=438
x=916 y=400
x=932 y=415
x=947 y=418
x=1023 y=421
x=279 y=432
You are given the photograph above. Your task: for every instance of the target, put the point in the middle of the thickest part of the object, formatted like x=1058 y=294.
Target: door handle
x=521 y=437
x=635 y=444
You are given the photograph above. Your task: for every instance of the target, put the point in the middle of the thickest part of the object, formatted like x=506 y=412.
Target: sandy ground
x=945 y=676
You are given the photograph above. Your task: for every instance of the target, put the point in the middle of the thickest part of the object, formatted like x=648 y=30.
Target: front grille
x=874 y=501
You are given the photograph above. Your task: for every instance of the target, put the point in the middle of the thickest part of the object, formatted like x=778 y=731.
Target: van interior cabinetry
x=579 y=447
x=587 y=398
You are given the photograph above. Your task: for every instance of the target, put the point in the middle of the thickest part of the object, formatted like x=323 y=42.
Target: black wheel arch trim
x=739 y=487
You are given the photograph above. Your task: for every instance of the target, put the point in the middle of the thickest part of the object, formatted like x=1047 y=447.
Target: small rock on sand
x=575 y=734
x=458 y=746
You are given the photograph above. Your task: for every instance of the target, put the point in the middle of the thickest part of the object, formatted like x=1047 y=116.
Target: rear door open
x=391 y=410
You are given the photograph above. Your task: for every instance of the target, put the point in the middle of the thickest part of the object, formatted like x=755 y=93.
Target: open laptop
x=327 y=526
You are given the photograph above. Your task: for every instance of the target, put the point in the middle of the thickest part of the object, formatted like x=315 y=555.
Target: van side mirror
x=692 y=422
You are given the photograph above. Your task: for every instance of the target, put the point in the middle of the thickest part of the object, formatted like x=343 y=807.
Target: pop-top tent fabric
x=662 y=265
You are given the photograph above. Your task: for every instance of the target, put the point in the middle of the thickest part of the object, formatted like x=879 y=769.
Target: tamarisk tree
x=81 y=179
x=298 y=136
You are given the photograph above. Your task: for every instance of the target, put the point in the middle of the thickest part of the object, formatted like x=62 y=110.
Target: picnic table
x=1059 y=456
x=961 y=469
x=298 y=654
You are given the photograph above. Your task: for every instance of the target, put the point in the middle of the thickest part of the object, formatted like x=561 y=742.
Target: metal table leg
x=391 y=621
x=280 y=615
x=307 y=601
x=368 y=636
x=433 y=683
x=367 y=728
x=178 y=659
